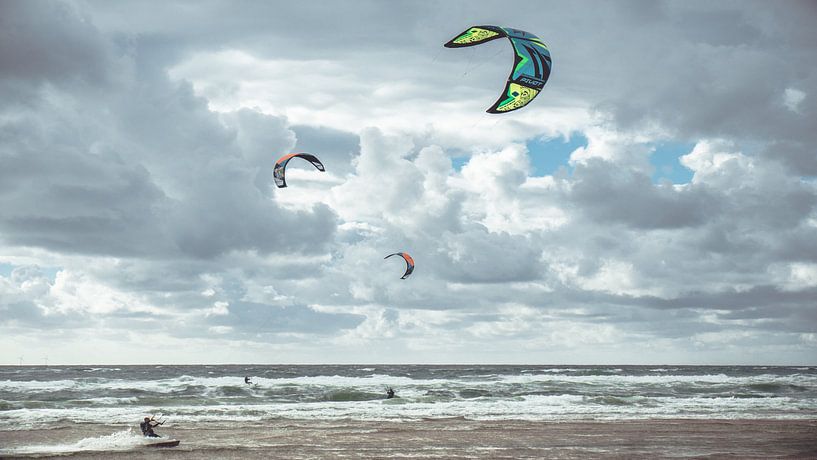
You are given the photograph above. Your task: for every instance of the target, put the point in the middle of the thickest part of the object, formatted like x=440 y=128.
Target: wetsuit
x=147 y=429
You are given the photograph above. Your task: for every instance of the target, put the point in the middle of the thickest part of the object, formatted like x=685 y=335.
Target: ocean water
x=117 y=397
x=50 y=397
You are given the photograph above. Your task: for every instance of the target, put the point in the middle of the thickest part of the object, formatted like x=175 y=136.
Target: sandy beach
x=459 y=438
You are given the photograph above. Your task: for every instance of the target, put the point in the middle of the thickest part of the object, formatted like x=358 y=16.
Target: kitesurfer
x=389 y=393
x=247 y=380
x=147 y=427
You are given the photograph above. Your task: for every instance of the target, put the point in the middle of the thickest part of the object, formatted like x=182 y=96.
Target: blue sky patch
x=547 y=155
x=459 y=162
x=665 y=159
x=49 y=272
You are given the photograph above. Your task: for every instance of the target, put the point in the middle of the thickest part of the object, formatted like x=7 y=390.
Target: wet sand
x=461 y=439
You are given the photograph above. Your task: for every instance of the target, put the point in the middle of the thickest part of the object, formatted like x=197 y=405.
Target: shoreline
x=449 y=438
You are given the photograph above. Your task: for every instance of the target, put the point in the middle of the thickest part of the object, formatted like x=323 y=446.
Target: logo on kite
x=531 y=67
x=409 y=263
x=279 y=172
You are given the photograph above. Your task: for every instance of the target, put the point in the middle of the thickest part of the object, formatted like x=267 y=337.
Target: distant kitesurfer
x=247 y=380
x=389 y=393
x=147 y=427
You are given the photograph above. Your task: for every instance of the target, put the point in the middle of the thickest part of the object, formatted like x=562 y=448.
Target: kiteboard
x=165 y=443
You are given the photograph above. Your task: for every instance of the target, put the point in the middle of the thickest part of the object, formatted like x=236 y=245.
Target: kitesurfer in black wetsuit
x=389 y=393
x=147 y=427
x=247 y=380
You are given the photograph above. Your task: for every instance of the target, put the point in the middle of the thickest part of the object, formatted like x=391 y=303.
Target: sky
x=655 y=204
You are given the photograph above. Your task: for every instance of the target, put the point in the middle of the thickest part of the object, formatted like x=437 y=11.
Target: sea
x=46 y=399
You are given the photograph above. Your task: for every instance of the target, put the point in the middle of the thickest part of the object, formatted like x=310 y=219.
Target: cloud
x=41 y=52
x=136 y=149
x=252 y=318
x=735 y=80
x=141 y=167
x=610 y=194
x=478 y=256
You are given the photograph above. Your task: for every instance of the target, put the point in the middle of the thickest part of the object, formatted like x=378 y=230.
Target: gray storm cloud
x=136 y=166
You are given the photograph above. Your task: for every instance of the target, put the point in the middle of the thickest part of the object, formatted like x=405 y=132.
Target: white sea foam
x=118 y=441
x=376 y=382
x=530 y=407
x=36 y=385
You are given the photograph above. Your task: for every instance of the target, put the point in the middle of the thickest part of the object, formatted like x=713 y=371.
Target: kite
x=281 y=165
x=531 y=67
x=409 y=263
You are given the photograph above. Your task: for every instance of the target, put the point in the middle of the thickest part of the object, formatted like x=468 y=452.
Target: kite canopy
x=531 y=67
x=278 y=173
x=409 y=263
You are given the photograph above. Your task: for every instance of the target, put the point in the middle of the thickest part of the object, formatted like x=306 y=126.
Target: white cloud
x=717 y=162
x=503 y=196
x=614 y=146
x=613 y=276
x=71 y=292
x=354 y=94
x=219 y=309
x=792 y=98
x=798 y=276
